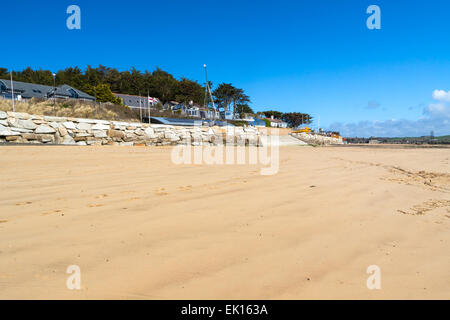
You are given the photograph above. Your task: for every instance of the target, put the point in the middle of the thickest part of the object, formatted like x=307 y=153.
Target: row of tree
x=102 y=81
x=230 y=98
x=293 y=119
x=159 y=83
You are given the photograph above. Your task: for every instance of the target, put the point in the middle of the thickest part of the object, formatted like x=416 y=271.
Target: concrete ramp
x=284 y=140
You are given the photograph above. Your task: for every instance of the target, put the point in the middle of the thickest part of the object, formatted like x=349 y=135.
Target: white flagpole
x=149 y=109
x=12 y=94
x=140 y=109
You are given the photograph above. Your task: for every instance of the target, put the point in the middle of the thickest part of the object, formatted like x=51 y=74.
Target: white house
x=277 y=123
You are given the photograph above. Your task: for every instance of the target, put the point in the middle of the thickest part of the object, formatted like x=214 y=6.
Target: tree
x=3 y=73
x=240 y=98
x=137 y=82
x=159 y=84
x=113 y=78
x=91 y=76
x=267 y=122
x=188 y=90
x=295 y=119
x=72 y=76
x=104 y=93
x=163 y=85
x=243 y=108
x=224 y=94
x=275 y=114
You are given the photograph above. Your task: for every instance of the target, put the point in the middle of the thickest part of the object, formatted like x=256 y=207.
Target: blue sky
x=314 y=56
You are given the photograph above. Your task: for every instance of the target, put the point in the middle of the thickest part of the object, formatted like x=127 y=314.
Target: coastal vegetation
x=158 y=83
x=72 y=108
x=102 y=81
x=431 y=139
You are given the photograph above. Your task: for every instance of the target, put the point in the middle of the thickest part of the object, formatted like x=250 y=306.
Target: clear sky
x=315 y=56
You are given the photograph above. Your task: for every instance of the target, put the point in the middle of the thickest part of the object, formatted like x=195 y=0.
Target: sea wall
x=25 y=128
x=312 y=138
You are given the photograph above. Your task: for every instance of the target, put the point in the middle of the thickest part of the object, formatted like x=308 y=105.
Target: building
x=195 y=110
x=227 y=115
x=24 y=90
x=210 y=113
x=170 y=105
x=247 y=117
x=258 y=123
x=136 y=102
x=185 y=109
x=252 y=120
x=277 y=123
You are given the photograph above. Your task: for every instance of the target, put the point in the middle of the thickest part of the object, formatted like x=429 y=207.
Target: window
x=73 y=94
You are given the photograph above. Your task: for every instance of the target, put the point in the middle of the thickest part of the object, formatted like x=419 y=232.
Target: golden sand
x=141 y=227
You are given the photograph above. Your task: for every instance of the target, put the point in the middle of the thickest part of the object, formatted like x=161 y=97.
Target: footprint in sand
x=101 y=196
x=23 y=203
x=51 y=212
x=161 y=192
x=426 y=206
x=95 y=205
x=185 y=188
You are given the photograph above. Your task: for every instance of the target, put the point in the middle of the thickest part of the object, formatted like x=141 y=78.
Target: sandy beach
x=142 y=227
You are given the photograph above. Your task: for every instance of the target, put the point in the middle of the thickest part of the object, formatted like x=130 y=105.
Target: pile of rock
x=319 y=139
x=25 y=128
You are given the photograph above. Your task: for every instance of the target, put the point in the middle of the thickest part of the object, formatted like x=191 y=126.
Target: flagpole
x=12 y=94
x=140 y=107
x=149 y=109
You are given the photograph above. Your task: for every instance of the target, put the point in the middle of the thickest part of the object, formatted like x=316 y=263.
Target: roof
x=206 y=109
x=257 y=121
x=28 y=89
x=176 y=121
x=188 y=122
x=276 y=120
x=65 y=90
x=133 y=101
x=33 y=90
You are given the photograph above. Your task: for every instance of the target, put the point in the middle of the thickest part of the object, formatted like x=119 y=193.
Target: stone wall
x=25 y=128
x=312 y=138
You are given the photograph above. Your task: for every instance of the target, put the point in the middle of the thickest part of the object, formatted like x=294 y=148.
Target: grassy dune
x=71 y=108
